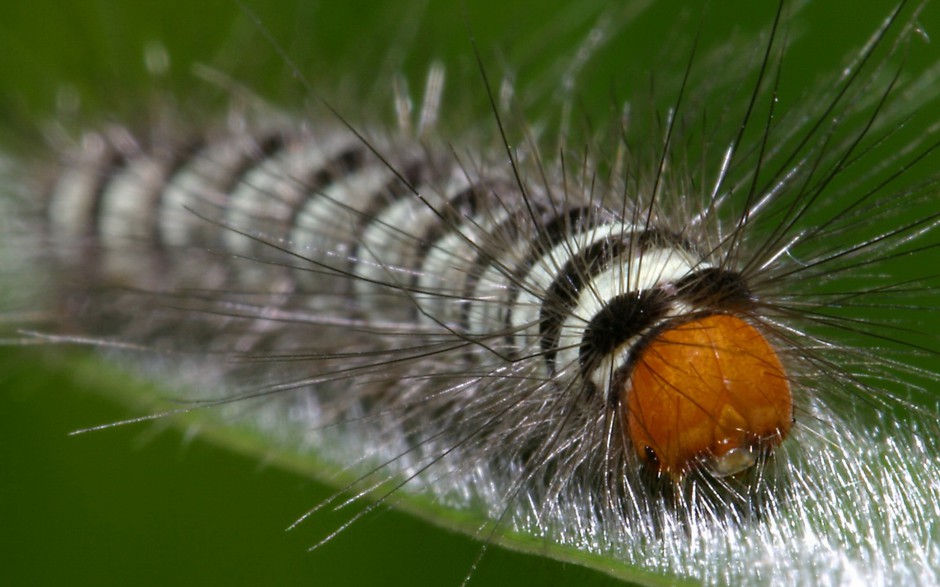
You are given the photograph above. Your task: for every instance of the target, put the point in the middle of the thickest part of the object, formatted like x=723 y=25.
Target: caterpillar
x=473 y=326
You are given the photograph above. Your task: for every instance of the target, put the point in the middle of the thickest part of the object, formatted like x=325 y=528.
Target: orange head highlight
x=711 y=392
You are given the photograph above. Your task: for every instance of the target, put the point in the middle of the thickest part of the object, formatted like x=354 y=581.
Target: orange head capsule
x=711 y=391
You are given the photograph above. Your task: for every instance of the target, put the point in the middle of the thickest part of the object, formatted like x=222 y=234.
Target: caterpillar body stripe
x=621 y=350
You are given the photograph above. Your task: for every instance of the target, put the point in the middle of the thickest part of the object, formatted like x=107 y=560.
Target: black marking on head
x=624 y=317
x=562 y=296
x=715 y=288
x=641 y=316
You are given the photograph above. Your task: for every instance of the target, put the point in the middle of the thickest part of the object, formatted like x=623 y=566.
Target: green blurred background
x=148 y=505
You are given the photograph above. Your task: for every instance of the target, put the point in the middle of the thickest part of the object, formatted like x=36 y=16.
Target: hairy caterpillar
x=923 y=203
